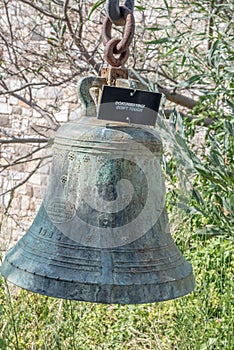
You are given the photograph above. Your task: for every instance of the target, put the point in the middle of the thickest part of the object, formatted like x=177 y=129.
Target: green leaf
x=229 y=127
x=169 y=52
x=166 y=4
x=2 y=344
x=64 y=29
x=158 y=41
x=229 y=70
x=155 y=29
x=94 y=7
x=140 y=8
x=184 y=58
x=196 y=194
x=189 y=82
x=212 y=52
x=230 y=104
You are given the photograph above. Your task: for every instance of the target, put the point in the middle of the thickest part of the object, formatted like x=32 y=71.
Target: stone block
x=14 y=84
x=6 y=199
x=35 y=179
x=29 y=190
x=25 y=203
x=35 y=114
x=16 y=124
x=5 y=108
x=24 y=124
x=37 y=36
x=3 y=99
x=44 y=180
x=22 y=189
x=27 y=112
x=18 y=176
x=49 y=93
x=17 y=110
x=19 y=167
x=13 y=100
x=4 y=120
x=22 y=149
x=70 y=93
x=37 y=192
x=62 y=116
x=32 y=206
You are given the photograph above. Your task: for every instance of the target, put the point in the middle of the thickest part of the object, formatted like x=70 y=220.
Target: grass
x=202 y=320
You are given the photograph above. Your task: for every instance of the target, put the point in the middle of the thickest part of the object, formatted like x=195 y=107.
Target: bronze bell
x=102 y=232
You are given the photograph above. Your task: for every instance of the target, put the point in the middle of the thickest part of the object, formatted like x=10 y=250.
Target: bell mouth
x=103 y=293
x=150 y=269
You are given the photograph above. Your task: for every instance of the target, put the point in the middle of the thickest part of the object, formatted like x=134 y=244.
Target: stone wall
x=19 y=120
x=32 y=33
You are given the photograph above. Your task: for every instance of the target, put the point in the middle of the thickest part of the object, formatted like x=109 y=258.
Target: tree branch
x=26 y=140
x=42 y=84
x=24 y=159
x=177 y=98
x=23 y=162
x=37 y=108
x=171 y=96
x=77 y=41
x=25 y=180
x=39 y=9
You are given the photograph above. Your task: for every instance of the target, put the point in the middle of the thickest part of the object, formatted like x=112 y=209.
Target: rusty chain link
x=114 y=13
x=109 y=54
x=118 y=46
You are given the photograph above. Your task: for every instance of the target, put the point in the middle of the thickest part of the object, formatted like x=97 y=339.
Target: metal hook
x=128 y=120
x=133 y=92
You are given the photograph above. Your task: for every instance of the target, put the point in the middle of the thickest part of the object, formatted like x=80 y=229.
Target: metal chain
x=116 y=45
x=114 y=13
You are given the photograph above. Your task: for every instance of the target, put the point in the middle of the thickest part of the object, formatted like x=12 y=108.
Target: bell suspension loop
x=114 y=13
x=123 y=16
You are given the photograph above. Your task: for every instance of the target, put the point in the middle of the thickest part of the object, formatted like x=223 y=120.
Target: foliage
x=193 y=47
x=196 y=56
x=201 y=178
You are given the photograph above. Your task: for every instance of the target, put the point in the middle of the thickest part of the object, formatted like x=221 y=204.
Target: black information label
x=129 y=105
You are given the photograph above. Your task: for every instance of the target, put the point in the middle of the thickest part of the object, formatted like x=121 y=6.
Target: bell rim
x=105 y=293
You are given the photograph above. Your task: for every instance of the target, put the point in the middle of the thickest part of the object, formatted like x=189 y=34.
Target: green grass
x=203 y=320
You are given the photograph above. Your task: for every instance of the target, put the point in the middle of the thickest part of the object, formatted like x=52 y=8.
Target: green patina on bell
x=102 y=232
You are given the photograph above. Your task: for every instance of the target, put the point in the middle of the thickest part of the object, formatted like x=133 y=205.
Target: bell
x=102 y=233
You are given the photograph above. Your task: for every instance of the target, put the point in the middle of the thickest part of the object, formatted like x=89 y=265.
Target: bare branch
x=37 y=108
x=205 y=122
x=77 y=40
x=7 y=133
x=177 y=98
x=42 y=84
x=13 y=47
x=26 y=158
x=24 y=162
x=39 y=9
x=26 y=140
x=8 y=205
x=25 y=180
